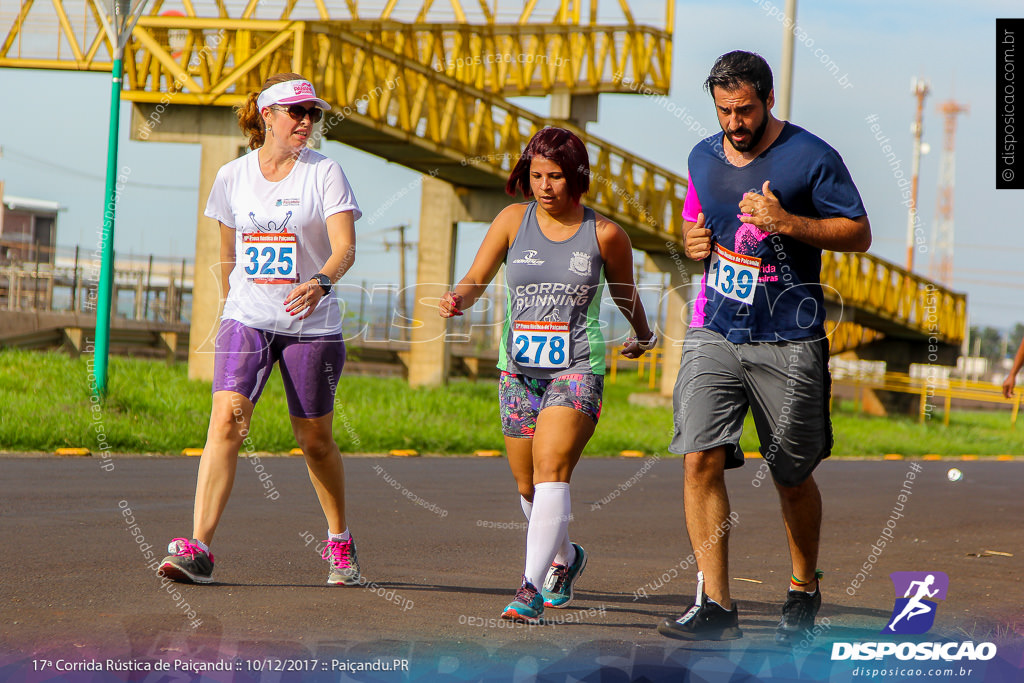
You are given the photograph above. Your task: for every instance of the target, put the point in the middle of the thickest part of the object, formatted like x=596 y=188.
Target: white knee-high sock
x=549 y=523
x=566 y=553
x=527 y=507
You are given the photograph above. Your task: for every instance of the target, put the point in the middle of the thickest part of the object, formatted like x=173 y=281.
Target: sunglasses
x=298 y=112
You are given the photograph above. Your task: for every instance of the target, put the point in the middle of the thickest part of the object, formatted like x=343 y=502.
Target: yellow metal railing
x=516 y=59
x=530 y=57
x=846 y=336
x=931 y=389
x=872 y=285
x=646 y=364
x=842 y=336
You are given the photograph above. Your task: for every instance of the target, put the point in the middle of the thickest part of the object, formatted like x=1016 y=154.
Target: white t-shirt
x=280 y=238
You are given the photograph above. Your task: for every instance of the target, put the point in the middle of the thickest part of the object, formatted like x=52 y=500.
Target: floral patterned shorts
x=522 y=398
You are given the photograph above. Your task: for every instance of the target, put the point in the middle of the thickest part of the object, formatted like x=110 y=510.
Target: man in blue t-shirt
x=765 y=197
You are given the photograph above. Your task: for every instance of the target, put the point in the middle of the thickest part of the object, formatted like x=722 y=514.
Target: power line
x=1015 y=272
x=26 y=158
x=957 y=245
x=988 y=247
x=991 y=283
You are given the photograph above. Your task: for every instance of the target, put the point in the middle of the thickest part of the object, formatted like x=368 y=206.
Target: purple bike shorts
x=310 y=366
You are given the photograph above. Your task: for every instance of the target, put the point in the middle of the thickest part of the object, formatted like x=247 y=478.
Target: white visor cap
x=290 y=92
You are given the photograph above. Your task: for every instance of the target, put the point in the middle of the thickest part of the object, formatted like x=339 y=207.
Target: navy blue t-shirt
x=809 y=179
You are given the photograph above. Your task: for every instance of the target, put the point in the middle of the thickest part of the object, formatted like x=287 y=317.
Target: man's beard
x=754 y=137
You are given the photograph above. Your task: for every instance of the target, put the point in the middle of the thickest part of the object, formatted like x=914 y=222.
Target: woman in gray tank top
x=558 y=254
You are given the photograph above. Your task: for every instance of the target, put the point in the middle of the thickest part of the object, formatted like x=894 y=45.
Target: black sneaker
x=797 y=616
x=188 y=563
x=706 y=620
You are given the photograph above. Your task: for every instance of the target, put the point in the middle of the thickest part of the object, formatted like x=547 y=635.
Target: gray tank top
x=552 y=322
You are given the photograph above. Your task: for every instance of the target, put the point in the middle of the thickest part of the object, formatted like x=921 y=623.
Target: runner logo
x=552 y=317
x=528 y=258
x=914 y=612
x=271 y=226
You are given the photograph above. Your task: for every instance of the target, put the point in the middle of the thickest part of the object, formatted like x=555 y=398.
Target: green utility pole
x=123 y=16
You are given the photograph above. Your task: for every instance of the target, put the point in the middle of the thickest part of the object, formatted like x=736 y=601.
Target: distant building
x=28 y=229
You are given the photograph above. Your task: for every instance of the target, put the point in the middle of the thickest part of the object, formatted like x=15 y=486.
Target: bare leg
x=229 y=425
x=323 y=460
x=520 y=461
x=706 y=505
x=561 y=435
x=801 y=511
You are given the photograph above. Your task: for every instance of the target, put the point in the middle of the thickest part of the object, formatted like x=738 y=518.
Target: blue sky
x=54 y=145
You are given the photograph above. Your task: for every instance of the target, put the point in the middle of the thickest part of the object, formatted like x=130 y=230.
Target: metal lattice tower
x=920 y=89
x=941 y=263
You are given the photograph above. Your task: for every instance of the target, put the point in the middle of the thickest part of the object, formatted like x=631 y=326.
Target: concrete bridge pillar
x=216 y=130
x=442 y=207
x=579 y=110
x=429 y=357
x=673 y=330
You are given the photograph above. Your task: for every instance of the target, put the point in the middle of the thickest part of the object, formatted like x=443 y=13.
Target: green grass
x=154 y=408
x=981 y=432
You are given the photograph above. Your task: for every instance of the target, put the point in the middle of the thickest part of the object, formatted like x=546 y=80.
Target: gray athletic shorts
x=786 y=385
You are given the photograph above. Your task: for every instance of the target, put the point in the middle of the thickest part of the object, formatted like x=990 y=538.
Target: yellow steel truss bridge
x=426 y=86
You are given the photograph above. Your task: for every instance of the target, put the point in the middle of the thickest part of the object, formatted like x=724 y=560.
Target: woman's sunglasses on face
x=298 y=112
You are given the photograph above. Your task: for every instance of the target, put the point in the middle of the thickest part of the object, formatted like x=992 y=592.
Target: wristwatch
x=649 y=344
x=323 y=281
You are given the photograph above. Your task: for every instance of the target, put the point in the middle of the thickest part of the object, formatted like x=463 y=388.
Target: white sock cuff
x=527 y=506
x=551 y=486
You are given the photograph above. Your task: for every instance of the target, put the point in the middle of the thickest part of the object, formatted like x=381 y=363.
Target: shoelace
x=187 y=547
x=690 y=614
x=698 y=602
x=337 y=552
x=525 y=594
x=559 y=574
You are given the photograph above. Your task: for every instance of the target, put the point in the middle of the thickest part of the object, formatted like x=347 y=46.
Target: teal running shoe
x=557 y=591
x=527 y=607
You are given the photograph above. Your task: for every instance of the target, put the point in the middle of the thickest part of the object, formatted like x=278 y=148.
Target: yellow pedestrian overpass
x=426 y=85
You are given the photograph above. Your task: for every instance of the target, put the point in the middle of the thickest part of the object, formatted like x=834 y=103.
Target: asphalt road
x=441 y=542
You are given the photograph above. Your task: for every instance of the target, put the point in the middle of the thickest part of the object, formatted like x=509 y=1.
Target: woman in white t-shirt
x=287 y=223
